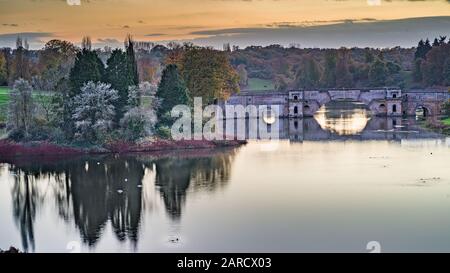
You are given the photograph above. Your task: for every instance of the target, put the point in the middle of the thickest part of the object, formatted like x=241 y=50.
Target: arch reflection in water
x=343 y=118
x=94 y=192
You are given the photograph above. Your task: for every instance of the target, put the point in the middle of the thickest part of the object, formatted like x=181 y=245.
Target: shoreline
x=11 y=149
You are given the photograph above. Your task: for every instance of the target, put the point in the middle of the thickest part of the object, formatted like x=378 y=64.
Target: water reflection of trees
x=92 y=192
x=174 y=176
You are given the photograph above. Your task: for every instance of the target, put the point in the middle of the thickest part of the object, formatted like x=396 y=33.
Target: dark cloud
x=35 y=39
x=111 y=42
x=108 y=40
x=10 y=25
x=388 y=33
x=155 y=34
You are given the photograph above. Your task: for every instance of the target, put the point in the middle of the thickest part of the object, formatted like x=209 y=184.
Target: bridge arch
x=424 y=109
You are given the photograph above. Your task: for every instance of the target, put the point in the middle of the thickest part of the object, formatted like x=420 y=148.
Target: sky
x=307 y=23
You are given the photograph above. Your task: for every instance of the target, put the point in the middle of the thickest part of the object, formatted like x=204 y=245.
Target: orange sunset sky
x=216 y=21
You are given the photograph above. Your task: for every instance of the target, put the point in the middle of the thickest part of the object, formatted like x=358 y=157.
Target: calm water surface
x=331 y=184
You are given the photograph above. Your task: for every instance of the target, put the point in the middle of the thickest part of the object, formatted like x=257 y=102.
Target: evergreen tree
x=131 y=59
x=171 y=91
x=422 y=49
x=120 y=78
x=436 y=42
x=88 y=67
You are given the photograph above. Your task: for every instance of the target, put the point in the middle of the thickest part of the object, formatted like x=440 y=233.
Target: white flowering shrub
x=94 y=111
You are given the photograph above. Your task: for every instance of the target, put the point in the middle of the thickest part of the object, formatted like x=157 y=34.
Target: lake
x=332 y=183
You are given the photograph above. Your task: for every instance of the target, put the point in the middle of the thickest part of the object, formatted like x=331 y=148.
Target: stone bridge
x=390 y=102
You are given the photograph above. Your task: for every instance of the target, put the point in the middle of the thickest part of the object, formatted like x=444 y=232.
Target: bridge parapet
x=381 y=101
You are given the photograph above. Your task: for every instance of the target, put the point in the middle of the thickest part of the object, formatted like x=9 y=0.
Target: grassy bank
x=255 y=84
x=446 y=121
x=4 y=98
x=39 y=96
x=11 y=149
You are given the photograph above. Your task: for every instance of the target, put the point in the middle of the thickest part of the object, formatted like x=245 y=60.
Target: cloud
x=10 y=25
x=111 y=42
x=108 y=40
x=154 y=34
x=386 y=33
x=35 y=39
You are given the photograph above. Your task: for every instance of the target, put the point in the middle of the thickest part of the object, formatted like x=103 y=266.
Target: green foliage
x=137 y=123
x=120 y=78
x=55 y=62
x=377 y=73
x=446 y=72
x=422 y=49
x=434 y=67
x=343 y=76
x=329 y=73
x=208 y=74
x=308 y=75
x=4 y=98
x=131 y=61
x=259 y=84
x=447 y=108
x=446 y=121
x=20 y=67
x=88 y=67
x=163 y=132
x=171 y=91
x=417 y=73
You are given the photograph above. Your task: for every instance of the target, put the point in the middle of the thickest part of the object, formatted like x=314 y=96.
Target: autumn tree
x=20 y=108
x=3 y=70
x=446 y=72
x=343 y=76
x=243 y=75
x=433 y=68
x=377 y=73
x=329 y=73
x=20 y=68
x=208 y=74
x=55 y=62
x=308 y=75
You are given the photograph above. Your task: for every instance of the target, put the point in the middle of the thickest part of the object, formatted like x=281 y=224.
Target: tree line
x=95 y=101
x=292 y=68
